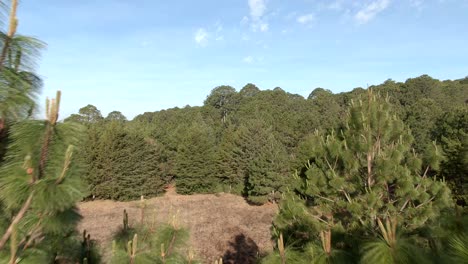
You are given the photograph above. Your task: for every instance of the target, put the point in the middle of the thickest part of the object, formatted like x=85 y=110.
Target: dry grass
x=221 y=225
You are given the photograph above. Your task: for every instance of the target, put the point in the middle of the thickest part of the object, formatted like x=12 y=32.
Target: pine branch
x=66 y=165
x=325 y=198
x=428 y=201
x=16 y=220
x=171 y=245
x=404 y=205
x=11 y=32
x=32 y=238
x=34 y=234
x=347 y=196
x=13 y=246
x=44 y=150
x=52 y=118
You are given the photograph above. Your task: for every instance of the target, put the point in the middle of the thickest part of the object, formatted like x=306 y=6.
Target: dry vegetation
x=221 y=225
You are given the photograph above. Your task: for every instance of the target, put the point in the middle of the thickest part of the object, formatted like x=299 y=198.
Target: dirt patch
x=221 y=225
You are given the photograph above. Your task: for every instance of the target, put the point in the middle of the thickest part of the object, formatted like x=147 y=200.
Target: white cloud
x=257 y=16
x=248 y=59
x=201 y=37
x=263 y=27
x=257 y=8
x=306 y=19
x=369 y=11
x=219 y=27
x=218 y=31
x=244 y=20
x=260 y=26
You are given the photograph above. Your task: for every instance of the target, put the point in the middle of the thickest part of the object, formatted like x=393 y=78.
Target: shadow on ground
x=243 y=250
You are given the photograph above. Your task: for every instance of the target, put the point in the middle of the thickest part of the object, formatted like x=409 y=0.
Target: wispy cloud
x=257 y=15
x=244 y=20
x=263 y=27
x=248 y=59
x=368 y=12
x=219 y=27
x=306 y=19
x=218 y=31
x=257 y=8
x=201 y=37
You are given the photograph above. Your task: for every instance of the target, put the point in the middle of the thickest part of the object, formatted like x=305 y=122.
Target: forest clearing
x=220 y=225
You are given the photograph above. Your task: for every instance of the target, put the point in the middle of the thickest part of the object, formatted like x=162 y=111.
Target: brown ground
x=221 y=225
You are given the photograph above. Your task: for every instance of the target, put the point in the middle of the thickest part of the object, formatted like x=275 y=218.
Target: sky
x=139 y=56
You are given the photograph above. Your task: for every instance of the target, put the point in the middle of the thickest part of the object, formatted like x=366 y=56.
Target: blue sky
x=147 y=55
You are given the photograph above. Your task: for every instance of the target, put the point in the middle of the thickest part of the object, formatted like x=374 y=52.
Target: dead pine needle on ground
x=220 y=225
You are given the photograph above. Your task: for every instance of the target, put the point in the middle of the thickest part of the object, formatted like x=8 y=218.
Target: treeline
x=250 y=142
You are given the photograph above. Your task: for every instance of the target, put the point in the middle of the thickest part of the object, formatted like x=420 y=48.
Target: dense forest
x=375 y=175
x=250 y=142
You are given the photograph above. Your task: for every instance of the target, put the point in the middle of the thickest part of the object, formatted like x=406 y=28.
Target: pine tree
x=252 y=156
x=39 y=188
x=195 y=165
x=362 y=175
x=148 y=243
x=122 y=165
x=231 y=161
x=19 y=84
x=266 y=175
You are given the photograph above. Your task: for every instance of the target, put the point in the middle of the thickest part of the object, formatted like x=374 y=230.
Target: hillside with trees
x=250 y=142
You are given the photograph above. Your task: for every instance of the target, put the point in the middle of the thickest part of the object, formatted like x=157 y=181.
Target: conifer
x=362 y=175
x=40 y=186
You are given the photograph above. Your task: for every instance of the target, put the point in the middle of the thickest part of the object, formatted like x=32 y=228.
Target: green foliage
x=148 y=243
x=422 y=116
x=451 y=131
x=225 y=147
x=459 y=249
x=249 y=90
x=116 y=116
x=223 y=98
x=86 y=115
x=359 y=176
x=121 y=164
x=19 y=85
x=252 y=158
x=195 y=161
x=312 y=253
x=380 y=252
x=40 y=186
x=369 y=172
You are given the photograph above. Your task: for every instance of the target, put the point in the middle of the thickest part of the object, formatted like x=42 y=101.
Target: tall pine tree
x=360 y=176
x=195 y=165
